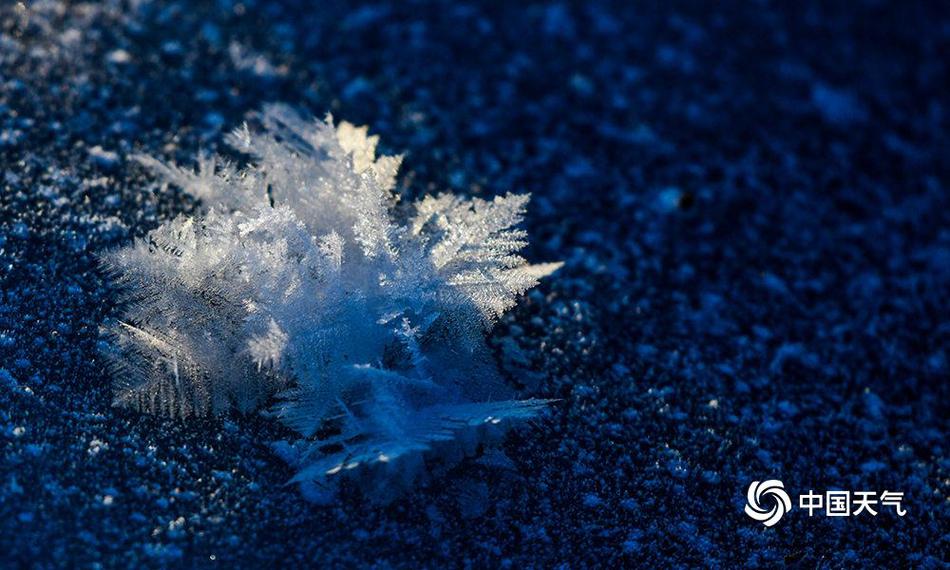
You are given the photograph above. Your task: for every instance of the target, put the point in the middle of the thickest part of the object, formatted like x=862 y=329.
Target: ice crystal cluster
x=300 y=285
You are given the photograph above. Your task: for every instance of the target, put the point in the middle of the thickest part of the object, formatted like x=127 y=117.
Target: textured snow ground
x=751 y=200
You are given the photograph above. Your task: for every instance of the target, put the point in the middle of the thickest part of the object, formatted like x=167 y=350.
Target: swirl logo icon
x=774 y=489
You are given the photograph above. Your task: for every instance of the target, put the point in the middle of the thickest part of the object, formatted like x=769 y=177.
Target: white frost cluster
x=299 y=283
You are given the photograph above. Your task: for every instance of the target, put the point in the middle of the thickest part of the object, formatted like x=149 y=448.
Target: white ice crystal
x=299 y=282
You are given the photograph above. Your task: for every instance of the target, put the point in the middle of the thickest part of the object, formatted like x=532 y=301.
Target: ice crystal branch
x=299 y=282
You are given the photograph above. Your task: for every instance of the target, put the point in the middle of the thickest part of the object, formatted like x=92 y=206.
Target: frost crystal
x=299 y=283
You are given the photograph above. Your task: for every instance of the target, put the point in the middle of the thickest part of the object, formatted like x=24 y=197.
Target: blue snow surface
x=751 y=199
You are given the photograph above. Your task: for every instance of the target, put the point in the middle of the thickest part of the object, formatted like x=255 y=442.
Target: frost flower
x=299 y=283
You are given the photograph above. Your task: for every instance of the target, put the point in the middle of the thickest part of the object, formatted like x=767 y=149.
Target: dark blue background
x=751 y=199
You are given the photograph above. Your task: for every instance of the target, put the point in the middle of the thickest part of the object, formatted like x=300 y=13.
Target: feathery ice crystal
x=298 y=283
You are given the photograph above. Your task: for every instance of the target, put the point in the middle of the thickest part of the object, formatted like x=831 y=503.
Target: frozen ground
x=751 y=198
